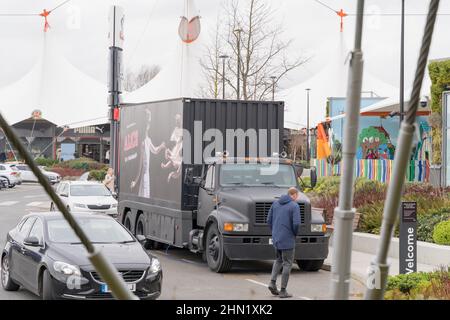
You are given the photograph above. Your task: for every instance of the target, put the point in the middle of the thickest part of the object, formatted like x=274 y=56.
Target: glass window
x=98 y=230
x=209 y=181
x=89 y=190
x=37 y=231
x=26 y=226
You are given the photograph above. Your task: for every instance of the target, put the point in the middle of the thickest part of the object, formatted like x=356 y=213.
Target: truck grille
x=127 y=275
x=262 y=210
x=96 y=207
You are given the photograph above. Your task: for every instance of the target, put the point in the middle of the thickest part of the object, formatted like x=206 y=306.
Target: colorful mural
x=375 y=143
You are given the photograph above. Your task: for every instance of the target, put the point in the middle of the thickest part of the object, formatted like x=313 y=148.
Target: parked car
x=11 y=175
x=28 y=175
x=90 y=196
x=43 y=255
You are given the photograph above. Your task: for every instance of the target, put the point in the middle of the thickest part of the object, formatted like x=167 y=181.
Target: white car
x=11 y=174
x=86 y=196
x=28 y=175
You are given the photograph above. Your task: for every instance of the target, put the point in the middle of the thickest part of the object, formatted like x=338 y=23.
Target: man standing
x=284 y=220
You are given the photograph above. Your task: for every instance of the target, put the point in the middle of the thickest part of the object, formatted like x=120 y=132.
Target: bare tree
x=249 y=31
x=135 y=80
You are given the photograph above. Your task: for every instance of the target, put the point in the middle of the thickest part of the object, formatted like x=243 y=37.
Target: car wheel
x=310 y=265
x=47 y=286
x=7 y=283
x=215 y=253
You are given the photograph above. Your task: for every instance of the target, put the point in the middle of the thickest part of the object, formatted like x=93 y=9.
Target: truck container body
x=176 y=179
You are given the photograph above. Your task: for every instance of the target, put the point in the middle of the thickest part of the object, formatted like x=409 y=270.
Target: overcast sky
x=80 y=28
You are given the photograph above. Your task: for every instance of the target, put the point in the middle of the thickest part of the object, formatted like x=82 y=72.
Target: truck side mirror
x=190 y=179
x=313 y=175
x=298 y=171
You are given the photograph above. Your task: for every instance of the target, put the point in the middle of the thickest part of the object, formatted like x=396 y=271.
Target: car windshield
x=257 y=174
x=97 y=230
x=95 y=190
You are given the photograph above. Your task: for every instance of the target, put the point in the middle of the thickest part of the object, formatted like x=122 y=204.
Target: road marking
x=34 y=204
x=35 y=196
x=265 y=286
x=8 y=203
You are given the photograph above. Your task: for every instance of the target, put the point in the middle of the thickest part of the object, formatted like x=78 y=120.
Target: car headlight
x=155 y=266
x=66 y=269
x=237 y=227
x=114 y=205
x=318 y=227
x=79 y=205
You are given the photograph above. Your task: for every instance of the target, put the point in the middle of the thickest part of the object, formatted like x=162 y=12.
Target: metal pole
x=307 y=124
x=402 y=64
x=379 y=269
x=223 y=57
x=344 y=214
x=238 y=31
x=106 y=270
x=273 y=87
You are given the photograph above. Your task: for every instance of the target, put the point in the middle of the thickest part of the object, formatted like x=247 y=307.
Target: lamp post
x=307 y=124
x=237 y=33
x=273 y=87
x=402 y=63
x=223 y=57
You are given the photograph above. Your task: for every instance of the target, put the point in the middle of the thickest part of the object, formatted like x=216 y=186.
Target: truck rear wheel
x=310 y=265
x=140 y=230
x=215 y=253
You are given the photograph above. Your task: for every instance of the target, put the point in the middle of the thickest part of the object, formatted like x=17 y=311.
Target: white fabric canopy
x=331 y=81
x=64 y=94
x=181 y=75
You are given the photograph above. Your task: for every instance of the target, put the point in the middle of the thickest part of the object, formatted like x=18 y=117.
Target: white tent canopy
x=181 y=75
x=63 y=94
x=331 y=81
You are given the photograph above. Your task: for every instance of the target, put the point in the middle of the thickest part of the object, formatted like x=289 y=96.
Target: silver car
x=12 y=175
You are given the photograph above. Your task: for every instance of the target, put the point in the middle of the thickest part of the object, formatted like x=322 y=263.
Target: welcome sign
x=408 y=238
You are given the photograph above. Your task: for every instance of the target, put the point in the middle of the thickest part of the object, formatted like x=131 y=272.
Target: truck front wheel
x=310 y=265
x=215 y=253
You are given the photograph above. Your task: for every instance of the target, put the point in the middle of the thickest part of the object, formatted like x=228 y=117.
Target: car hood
x=118 y=254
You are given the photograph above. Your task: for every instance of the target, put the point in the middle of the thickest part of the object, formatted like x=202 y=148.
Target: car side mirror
x=64 y=195
x=31 y=241
x=141 y=238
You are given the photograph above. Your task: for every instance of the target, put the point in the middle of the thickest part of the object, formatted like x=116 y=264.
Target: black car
x=43 y=254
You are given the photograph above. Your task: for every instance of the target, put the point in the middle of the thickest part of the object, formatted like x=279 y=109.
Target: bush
x=46 y=162
x=427 y=222
x=420 y=285
x=98 y=175
x=84 y=164
x=371 y=217
x=441 y=233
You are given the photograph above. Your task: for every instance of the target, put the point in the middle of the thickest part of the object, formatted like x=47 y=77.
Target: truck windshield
x=247 y=174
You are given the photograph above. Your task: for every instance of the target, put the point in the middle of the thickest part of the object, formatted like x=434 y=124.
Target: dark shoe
x=273 y=289
x=285 y=294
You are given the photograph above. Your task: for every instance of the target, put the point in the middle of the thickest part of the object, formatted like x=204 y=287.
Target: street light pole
x=402 y=64
x=273 y=87
x=223 y=57
x=237 y=32
x=307 y=124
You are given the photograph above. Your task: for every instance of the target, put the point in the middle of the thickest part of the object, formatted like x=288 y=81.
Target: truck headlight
x=66 y=269
x=318 y=227
x=237 y=227
x=79 y=205
x=114 y=205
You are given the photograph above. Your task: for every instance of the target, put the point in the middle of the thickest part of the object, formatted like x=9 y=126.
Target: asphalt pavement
x=186 y=276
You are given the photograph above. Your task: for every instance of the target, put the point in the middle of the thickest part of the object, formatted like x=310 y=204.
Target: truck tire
x=215 y=254
x=310 y=265
x=127 y=221
x=140 y=230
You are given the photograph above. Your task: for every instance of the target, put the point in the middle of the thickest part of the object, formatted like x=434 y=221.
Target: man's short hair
x=292 y=191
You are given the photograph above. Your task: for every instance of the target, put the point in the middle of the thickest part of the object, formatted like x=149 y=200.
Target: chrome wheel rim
x=214 y=247
x=5 y=271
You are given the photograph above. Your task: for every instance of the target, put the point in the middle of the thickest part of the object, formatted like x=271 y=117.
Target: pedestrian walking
x=109 y=179
x=284 y=220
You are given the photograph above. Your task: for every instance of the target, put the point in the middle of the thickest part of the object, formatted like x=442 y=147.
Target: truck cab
x=234 y=198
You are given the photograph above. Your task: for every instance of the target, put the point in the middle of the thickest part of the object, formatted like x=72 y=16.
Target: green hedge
x=427 y=222
x=85 y=164
x=441 y=233
x=98 y=175
x=46 y=162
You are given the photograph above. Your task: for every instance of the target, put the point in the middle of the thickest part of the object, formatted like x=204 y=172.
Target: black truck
x=202 y=174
